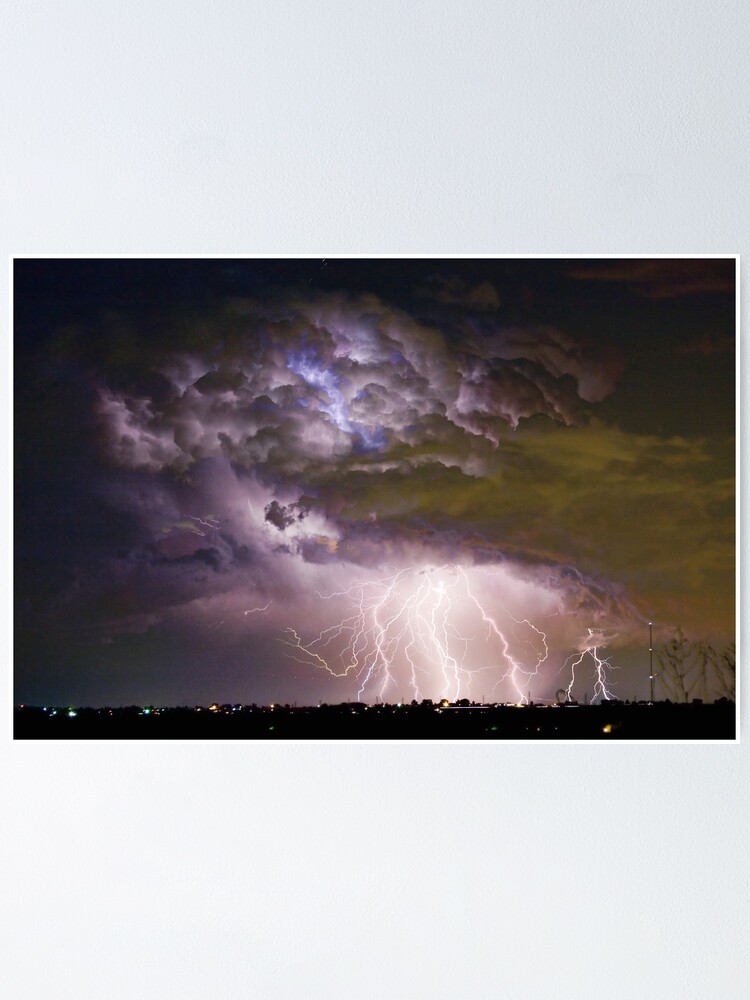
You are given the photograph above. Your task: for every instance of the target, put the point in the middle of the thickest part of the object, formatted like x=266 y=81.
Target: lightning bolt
x=409 y=624
x=595 y=641
x=252 y=611
x=514 y=670
x=208 y=522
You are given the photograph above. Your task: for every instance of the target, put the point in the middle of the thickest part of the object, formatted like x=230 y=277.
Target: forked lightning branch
x=426 y=632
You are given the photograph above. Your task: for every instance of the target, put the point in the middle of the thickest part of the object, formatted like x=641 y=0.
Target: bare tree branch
x=691 y=669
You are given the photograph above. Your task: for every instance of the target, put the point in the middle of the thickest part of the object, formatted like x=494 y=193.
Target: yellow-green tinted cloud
x=655 y=515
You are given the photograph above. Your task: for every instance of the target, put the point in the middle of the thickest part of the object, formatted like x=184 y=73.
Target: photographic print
x=375 y=498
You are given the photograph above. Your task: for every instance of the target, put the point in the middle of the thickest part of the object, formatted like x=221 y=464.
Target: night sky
x=303 y=480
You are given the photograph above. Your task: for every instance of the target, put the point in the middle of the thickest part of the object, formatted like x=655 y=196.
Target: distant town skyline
x=294 y=480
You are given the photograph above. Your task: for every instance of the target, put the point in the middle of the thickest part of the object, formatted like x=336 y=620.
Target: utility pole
x=651 y=659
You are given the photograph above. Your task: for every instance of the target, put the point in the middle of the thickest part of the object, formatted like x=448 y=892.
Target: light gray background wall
x=296 y=872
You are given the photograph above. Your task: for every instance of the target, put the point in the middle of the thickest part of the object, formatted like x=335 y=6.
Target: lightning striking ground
x=595 y=641
x=425 y=628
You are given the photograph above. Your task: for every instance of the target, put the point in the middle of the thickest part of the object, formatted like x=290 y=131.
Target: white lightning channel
x=406 y=629
x=595 y=641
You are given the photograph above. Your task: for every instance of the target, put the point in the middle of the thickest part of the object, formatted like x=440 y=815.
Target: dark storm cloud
x=654 y=514
x=453 y=290
x=381 y=427
x=709 y=344
x=281 y=516
x=381 y=418
x=662 y=279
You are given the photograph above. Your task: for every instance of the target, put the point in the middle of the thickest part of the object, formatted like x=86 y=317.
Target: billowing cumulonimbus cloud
x=335 y=431
x=315 y=428
x=289 y=389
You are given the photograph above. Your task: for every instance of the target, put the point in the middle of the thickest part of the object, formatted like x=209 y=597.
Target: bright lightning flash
x=595 y=641
x=252 y=611
x=410 y=629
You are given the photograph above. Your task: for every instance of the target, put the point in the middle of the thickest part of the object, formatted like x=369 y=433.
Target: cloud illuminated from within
x=334 y=435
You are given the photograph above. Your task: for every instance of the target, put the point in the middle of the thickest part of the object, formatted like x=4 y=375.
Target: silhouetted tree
x=719 y=669
x=689 y=668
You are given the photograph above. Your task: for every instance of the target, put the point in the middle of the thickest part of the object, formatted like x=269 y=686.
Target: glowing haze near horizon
x=298 y=488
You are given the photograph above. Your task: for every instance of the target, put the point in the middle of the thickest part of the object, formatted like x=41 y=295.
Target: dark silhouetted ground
x=463 y=721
